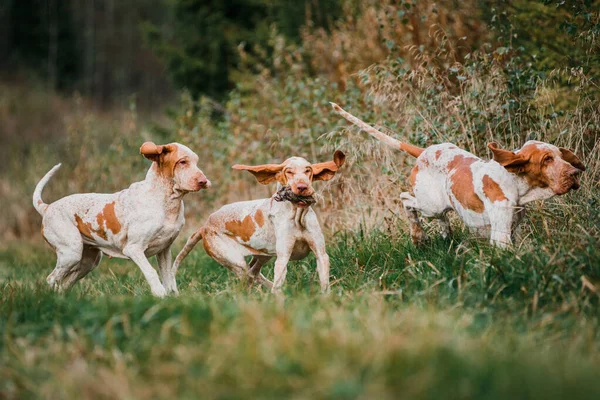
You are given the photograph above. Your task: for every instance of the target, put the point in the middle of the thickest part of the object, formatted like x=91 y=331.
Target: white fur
x=289 y=232
x=432 y=190
x=149 y=215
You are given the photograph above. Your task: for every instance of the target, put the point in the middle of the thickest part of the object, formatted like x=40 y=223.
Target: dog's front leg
x=167 y=272
x=411 y=208
x=501 y=227
x=316 y=242
x=136 y=254
x=283 y=249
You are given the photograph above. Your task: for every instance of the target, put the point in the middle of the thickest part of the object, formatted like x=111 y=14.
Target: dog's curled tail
x=38 y=203
x=192 y=241
x=390 y=141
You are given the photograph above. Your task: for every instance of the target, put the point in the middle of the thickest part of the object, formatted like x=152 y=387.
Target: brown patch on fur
x=534 y=169
x=165 y=157
x=166 y=165
x=438 y=153
x=266 y=173
x=243 y=229
x=462 y=183
x=85 y=228
x=259 y=218
x=527 y=163
x=413 y=175
x=571 y=158
x=108 y=218
x=414 y=151
x=326 y=170
x=492 y=190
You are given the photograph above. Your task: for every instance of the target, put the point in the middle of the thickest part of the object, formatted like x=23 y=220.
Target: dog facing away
x=487 y=195
x=283 y=226
x=135 y=223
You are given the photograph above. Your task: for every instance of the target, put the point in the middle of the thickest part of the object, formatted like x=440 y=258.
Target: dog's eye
x=182 y=162
x=548 y=159
x=288 y=172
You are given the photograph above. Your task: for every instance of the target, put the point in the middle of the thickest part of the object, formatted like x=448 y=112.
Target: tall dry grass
x=414 y=77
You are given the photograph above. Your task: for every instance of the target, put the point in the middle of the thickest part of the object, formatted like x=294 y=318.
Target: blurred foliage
x=201 y=41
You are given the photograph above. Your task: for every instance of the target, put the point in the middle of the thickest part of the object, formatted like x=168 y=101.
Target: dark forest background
x=108 y=50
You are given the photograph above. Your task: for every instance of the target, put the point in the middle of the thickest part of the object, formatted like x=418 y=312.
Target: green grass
x=453 y=319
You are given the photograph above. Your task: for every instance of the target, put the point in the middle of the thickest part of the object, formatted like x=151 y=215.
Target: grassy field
x=454 y=319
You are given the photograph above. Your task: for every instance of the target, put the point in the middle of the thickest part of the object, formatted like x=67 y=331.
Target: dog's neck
x=166 y=190
x=528 y=193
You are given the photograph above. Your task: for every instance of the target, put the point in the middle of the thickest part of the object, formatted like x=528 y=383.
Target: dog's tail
x=38 y=203
x=192 y=241
x=390 y=141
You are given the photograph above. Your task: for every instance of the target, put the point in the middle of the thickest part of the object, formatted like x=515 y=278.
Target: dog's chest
x=164 y=234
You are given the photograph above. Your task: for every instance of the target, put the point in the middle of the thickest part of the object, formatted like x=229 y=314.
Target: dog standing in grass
x=487 y=195
x=135 y=223
x=283 y=226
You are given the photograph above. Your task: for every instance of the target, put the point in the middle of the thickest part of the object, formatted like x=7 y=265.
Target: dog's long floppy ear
x=264 y=174
x=506 y=158
x=326 y=170
x=571 y=158
x=153 y=152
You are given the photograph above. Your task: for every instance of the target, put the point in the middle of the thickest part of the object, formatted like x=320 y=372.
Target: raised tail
x=192 y=241
x=38 y=203
x=390 y=141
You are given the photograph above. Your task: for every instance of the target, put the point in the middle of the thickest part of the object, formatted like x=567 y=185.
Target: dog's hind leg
x=67 y=242
x=224 y=250
x=255 y=265
x=90 y=259
x=417 y=233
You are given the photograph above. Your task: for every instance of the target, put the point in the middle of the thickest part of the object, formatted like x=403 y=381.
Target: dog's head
x=543 y=165
x=178 y=163
x=296 y=172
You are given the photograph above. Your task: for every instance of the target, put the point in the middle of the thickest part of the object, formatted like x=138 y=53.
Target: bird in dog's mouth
x=285 y=194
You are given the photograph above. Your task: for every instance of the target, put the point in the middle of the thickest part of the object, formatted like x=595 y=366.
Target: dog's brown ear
x=264 y=174
x=153 y=152
x=506 y=158
x=571 y=158
x=325 y=171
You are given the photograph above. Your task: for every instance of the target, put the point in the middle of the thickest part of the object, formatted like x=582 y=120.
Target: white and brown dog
x=135 y=223
x=286 y=228
x=487 y=195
